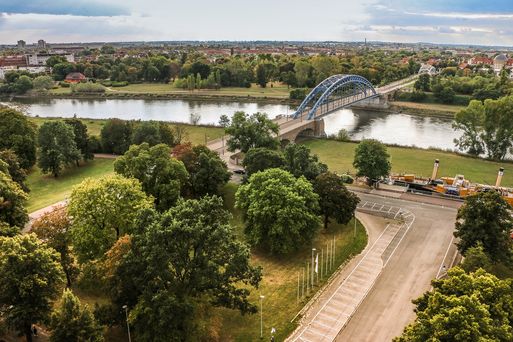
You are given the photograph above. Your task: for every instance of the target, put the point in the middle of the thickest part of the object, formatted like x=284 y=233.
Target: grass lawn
x=47 y=190
x=194 y=134
x=279 y=283
x=429 y=106
x=277 y=90
x=339 y=157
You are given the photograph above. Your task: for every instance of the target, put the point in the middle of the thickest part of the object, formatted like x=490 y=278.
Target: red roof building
x=480 y=60
x=75 y=77
x=13 y=61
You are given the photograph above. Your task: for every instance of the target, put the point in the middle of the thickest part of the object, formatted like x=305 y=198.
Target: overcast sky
x=467 y=22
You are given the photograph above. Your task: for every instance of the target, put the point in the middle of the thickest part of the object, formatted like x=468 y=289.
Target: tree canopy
x=57 y=147
x=12 y=202
x=179 y=257
x=103 y=210
x=371 y=159
x=335 y=200
x=280 y=211
x=14 y=169
x=116 y=136
x=31 y=279
x=464 y=307
x=484 y=219
x=261 y=158
x=248 y=131
x=300 y=162
x=74 y=322
x=19 y=135
x=81 y=138
x=161 y=176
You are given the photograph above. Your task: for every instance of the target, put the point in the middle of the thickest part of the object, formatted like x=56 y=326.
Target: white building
x=39 y=59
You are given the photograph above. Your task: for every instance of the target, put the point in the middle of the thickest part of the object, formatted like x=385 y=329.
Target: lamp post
x=127 y=325
x=261 y=316
x=313 y=251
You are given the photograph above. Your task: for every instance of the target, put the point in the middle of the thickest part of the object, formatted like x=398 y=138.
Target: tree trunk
x=117 y=233
x=326 y=221
x=68 y=279
x=28 y=333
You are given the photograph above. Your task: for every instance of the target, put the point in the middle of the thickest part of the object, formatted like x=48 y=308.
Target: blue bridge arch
x=337 y=91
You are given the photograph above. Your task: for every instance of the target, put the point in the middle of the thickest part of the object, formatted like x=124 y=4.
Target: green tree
x=43 y=83
x=470 y=121
x=224 y=121
x=484 y=218
x=423 y=83
x=498 y=127
x=247 y=131
x=147 y=132
x=443 y=93
x=180 y=258
x=81 y=138
x=74 y=322
x=13 y=168
x=463 y=307
x=371 y=160
x=19 y=135
x=335 y=201
x=57 y=147
x=476 y=258
x=103 y=210
x=300 y=162
x=12 y=202
x=116 y=136
x=161 y=176
x=303 y=71
x=23 y=84
x=280 y=211
x=261 y=158
x=54 y=229
x=53 y=60
x=31 y=277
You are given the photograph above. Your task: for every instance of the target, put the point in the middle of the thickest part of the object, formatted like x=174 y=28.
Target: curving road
x=373 y=301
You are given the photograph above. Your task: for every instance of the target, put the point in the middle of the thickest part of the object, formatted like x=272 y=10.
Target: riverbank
x=414 y=108
x=339 y=157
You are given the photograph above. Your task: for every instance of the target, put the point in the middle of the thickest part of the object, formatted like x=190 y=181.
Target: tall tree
x=463 y=307
x=30 y=278
x=247 y=131
x=19 y=135
x=57 y=147
x=14 y=168
x=181 y=257
x=74 y=322
x=12 y=202
x=470 y=122
x=484 y=218
x=334 y=199
x=300 y=162
x=498 y=127
x=371 y=160
x=261 y=158
x=81 y=138
x=54 y=229
x=103 y=210
x=280 y=211
x=116 y=136
x=161 y=176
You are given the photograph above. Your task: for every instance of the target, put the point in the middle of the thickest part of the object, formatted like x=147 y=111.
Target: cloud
x=62 y=7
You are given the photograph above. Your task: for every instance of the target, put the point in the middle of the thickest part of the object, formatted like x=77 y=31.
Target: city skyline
x=442 y=22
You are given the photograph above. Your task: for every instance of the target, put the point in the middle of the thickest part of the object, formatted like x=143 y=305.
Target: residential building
x=21 y=44
x=39 y=59
x=41 y=44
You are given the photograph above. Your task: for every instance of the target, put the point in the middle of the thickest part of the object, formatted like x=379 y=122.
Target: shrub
x=298 y=93
x=88 y=88
x=120 y=84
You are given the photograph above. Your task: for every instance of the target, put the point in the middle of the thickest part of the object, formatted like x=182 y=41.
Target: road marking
x=445 y=256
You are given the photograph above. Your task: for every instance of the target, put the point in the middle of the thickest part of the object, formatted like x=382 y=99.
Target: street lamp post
x=313 y=251
x=127 y=325
x=261 y=316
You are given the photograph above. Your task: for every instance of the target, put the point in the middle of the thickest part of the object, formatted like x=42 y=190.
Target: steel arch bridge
x=335 y=92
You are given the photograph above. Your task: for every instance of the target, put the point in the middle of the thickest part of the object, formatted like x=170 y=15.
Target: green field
x=276 y=91
x=46 y=190
x=279 y=283
x=194 y=134
x=339 y=157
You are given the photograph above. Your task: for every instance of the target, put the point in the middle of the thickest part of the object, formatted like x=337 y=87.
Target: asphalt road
x=371 y=298
x=420 y=257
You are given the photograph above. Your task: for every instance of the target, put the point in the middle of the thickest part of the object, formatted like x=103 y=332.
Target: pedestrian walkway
x=344 y=302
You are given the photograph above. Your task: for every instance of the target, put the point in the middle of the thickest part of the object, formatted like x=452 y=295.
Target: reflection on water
x=398 y=128
x=394 y=128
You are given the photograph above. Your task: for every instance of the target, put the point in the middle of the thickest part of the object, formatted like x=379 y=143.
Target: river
x=391 y=128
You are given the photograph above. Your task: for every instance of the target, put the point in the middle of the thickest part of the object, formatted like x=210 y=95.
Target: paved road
x=418 y=255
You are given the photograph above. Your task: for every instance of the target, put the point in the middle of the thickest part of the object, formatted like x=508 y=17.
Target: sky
x=437 y=21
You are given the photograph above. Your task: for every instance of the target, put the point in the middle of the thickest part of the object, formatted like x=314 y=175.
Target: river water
x=391 y=128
